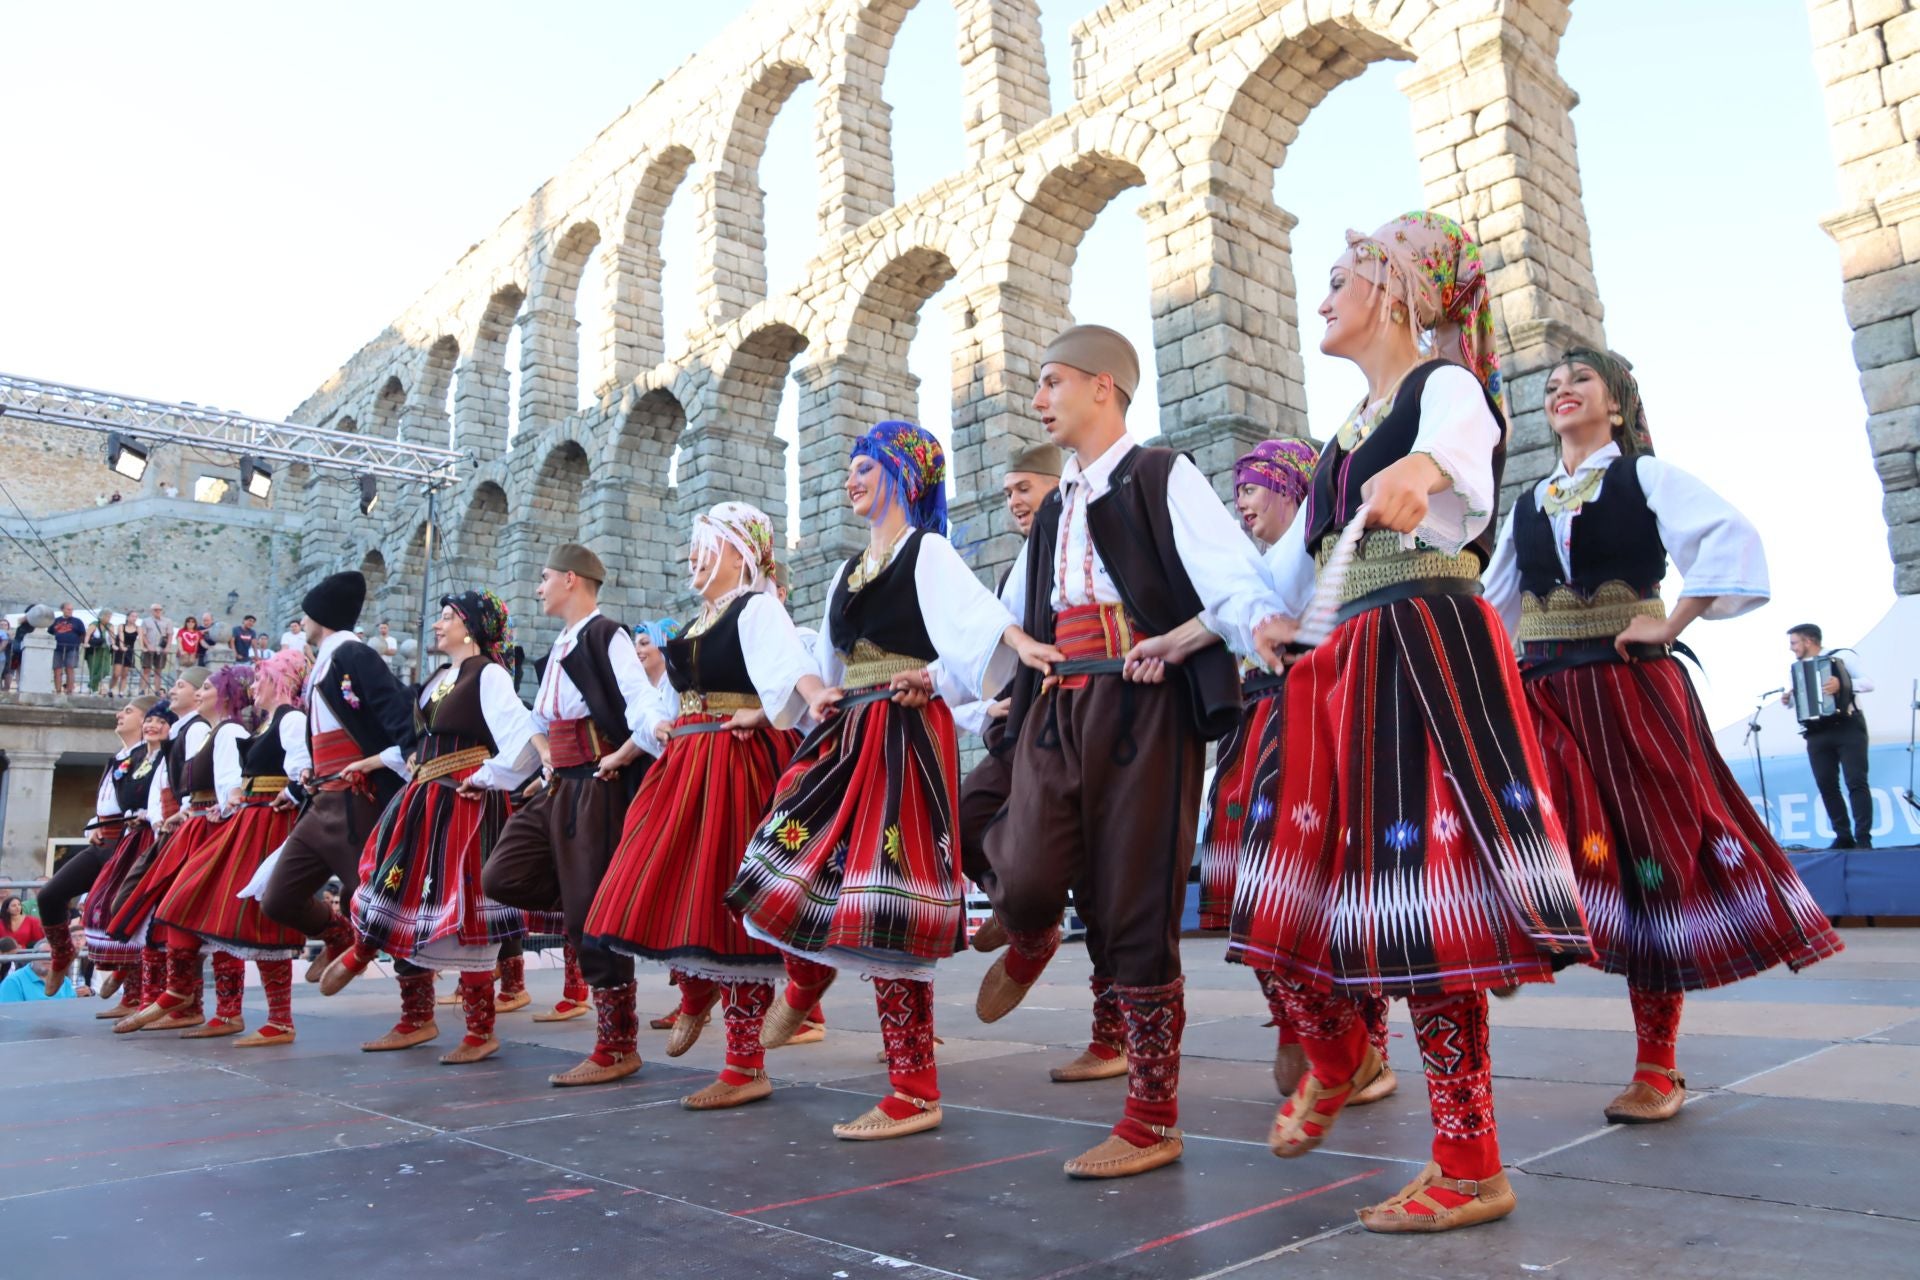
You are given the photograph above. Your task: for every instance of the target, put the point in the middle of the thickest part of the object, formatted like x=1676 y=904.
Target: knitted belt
x=1383 y=571
x=1565 y=614
x=452 y=762
x=695 y=703
x=869 y=664
x=266 y=784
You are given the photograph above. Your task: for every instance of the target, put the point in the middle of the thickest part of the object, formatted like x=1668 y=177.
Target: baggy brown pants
x=553 y=853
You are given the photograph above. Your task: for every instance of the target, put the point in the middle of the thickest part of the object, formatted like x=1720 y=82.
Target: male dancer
x=1122 y=557
x=556 y=848
x=359 y=731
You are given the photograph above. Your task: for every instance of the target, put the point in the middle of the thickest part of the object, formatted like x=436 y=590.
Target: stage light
x=369 y=495
x=256 y=477
x=125 y=457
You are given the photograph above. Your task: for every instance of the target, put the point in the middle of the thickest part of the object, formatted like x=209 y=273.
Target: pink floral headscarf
x=1427 y=263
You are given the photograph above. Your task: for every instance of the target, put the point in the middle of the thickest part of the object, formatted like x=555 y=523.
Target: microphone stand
x=1759 y=761
x=1913 y=723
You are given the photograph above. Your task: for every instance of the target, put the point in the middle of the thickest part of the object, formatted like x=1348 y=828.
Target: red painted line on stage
x=235 y=1136
x=897 y=1182
x=1178 y=1236
x=563 y=1193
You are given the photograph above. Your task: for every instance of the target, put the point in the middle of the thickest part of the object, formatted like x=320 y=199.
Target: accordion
x=1810 y=676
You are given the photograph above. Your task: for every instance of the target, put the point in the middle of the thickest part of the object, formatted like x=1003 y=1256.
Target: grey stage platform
x=152 y=1156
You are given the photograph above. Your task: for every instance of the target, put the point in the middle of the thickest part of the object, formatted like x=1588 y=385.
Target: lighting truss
x=157 y=422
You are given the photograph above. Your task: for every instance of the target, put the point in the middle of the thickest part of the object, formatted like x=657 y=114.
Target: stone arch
x=640 y=339
x=730 y=449
x=734 y=206
x=480 y=400
x=431 y=417
x=550 y=336
x=389 y=404
x=553 y=500
x=373 y=567
x=477 y=541
x=633 y=505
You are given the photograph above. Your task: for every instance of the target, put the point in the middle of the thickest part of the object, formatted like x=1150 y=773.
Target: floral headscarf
x=660 y=630
x=234 y=685
x=915 y=464
x=485 y=615
x=745 y=528
x=1425 y=262
x=1617 y=372
x=285 y=673
x=1284 y=466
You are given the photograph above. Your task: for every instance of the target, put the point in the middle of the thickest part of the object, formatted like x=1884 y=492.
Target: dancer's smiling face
x=1579 y=406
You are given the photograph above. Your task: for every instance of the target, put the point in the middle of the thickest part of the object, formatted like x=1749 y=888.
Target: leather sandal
x=401 y=1038
x=270 y=1033
x=1089 y=1066
x=505 y=1003
x=720 y=1095
x=345 y=970
x=989 y=937
x=810 y=1033
x=1383 y=1085
x=212 y=1027
x=110 y=985
x=564 y=1011
x=1641 y=1103
x=452 y=997
x=147 y=1015
x=1492 y=1198
x=874 y=1125
x=587 y=1071
x=1290 y=1137
x=688 y=1026
x=780 y=1024
x=466 y=1052
x=999 y=994
x=1118 y=1158
x=118 y=1011
x=191 y=1016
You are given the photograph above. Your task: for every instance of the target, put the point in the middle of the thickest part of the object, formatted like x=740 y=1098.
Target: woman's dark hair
x=6 y=905
x=1616 y=371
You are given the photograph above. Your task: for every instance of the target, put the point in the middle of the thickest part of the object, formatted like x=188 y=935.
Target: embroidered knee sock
x=1155 y=1018
x=59 y=942
x=1373 y=1012
x=133 y=983
x=807 y=981
x=694 y=994
x=229 y=986
x=1109 y=1038
x=1656 y=1025
x=1329 y=1028
x=1028 y=954
x=906 y=1028
x=416 y=1000
x=184 y=983
x=276 y=980
x=744 y=1006
x=153 y=972
x=513 y=975
x=337 y=936
x=573 y=984
x=619 y=1025
x=476 y=1002
x=1452 y=1032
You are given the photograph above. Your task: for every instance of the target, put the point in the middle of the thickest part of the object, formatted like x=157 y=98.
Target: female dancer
x=205 y=898
x=419 y=898
x=127 y=962
x=208 y=780
x=739 y=679
x=1414 y=851
x=857 y=863
x=110 y=808
x=1684 y=886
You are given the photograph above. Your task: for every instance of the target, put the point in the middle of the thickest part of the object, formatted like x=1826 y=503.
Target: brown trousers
x=1105 y=797
x=325 y=842
x=552 y=855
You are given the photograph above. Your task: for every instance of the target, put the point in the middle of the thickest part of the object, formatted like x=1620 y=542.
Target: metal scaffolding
x=158 y=422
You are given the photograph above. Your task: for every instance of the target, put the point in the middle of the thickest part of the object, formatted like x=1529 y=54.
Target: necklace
x=1570 y=493
x=1366 y=418
x=870 y=566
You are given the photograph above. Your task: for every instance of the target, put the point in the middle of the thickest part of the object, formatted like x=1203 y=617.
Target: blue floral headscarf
x=916 y=469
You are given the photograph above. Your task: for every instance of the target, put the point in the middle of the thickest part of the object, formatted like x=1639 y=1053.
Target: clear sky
x=221 y=203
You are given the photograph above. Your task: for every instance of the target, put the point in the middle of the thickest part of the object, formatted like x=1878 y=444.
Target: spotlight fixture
x=256 y=477
x=125 y=457
x=369 y=495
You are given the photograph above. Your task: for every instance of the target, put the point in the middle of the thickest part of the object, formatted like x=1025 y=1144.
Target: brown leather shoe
x=990 y=937
x=140 y=1019
x=1290 y=1137
x=688 y=1026
x=719 y=1095
x=1089 y=1066
x=56 y=974
x=454 y=997
x=1492 y=1198
x=343 y=971
x=192 y=1016
x=399 y=1039
x=1289 y=1064
x=509 y=1003
x=110 y=985
x=875 y=1125
x=587 y=1071
x=118 y=1011
x=1641 y=1103
x=213 y=1027
x=269 y=1034
x=1118 y=1158
x=1383 y=1085
x=999 y=994
x=809 y=1033
x=665 y=1021
x=463 y=1052
x=781 y=1022
x=564 y=1011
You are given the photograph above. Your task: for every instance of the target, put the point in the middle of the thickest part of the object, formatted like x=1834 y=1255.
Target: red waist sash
x=573 y=743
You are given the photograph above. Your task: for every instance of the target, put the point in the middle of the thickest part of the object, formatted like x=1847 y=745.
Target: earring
x=1617 y=420
x=1399 y=315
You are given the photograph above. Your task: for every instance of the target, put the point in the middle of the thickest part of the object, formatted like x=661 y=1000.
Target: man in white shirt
x=294 y=638
x=1837 y=743
x=593 y=695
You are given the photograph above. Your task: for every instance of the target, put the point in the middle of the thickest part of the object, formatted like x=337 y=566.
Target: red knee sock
x=817 y=1017
x=807 y=981
x=744 y=1007
x=906 y=1028
x=1028 y=954
x=513 y=975
x=1656 y=1026
x=183 y=984
x=1329 y=1029
x=59 y=942
x=1155 y=1018
x=416 y=1001
x=695 y=994
x=1452 y=1031
x=476 y=1002
x=276 y=981
x=1109 y=1038
x=619 y=1026
x=573 y=984
x=153 y=972
x=133 y=984
x=229 y=986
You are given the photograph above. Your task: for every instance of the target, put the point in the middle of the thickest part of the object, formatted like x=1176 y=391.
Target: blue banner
x=1793 y=809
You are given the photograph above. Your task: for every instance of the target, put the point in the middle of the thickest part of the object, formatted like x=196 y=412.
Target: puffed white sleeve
x=1291 y=570
x=160 y=783
x=106 y=802
x=826 y=658
x=776 y=659
x=1221 y=563
x=293 y=745
x=511 y=725
x=637 y=689
x=1501 y=582
x=964 y=620
x=1861 y=684
x=1716 y=549
x=645 y=718
x=227 y=776
x=1459 y=432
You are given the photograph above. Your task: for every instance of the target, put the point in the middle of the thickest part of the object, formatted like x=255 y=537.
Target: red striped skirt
x=857 y=861
x=419 y=897
x=147 y=884
x=204 y=898
x=1684 y=886
x=136 y=843
x=1231 y=800
x=1415 y=850
x=664 y=895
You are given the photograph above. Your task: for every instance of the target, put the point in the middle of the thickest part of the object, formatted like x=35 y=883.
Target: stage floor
x=151 y=1156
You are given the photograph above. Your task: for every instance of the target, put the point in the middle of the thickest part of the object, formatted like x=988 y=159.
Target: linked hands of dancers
x=1271 y=638
x=614 y=761
x=744 y=722
x=1148 y=660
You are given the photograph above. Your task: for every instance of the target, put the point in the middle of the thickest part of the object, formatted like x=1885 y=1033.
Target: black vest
x=591 y=671
x=129 y=784
x=886 y=611
x=263 y=756
x=198 y=773
x=177 y=759
x=456 y=721
x=713 y=661
x=1615 y=539
x=1338 y=478
x=1132 y=533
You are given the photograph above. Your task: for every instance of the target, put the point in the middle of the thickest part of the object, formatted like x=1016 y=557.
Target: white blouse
x=777 y=656
x=106 y=800
x=227 y=775
x=558 y=698
x=293 y=744
x=970 y=713
x=324 y=721
x=515 y=757
x=964 y=620
x=1716 y=549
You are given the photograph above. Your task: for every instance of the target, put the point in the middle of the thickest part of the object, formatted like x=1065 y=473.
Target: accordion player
x=1822 y=689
